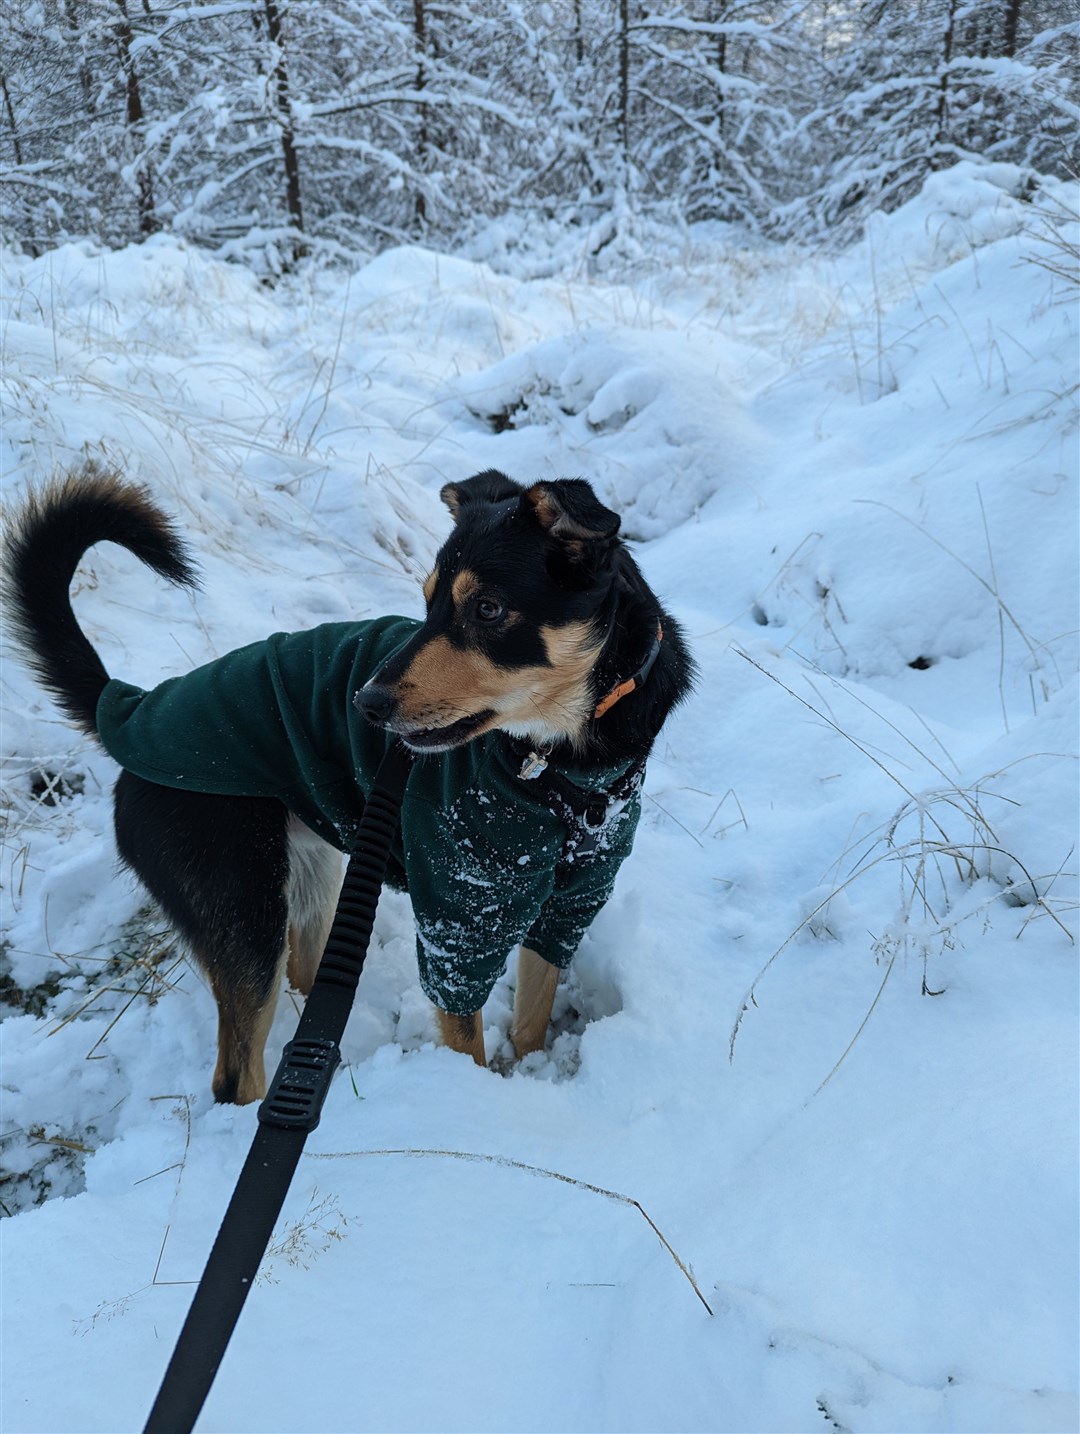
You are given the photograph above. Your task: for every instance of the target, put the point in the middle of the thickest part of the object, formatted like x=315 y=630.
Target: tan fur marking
x=464 y=1034
x=533 y=998
x=438 y=686
x=551 y=515
x=573 y=653
x=445 y=683
x=547 y=511
x=430 y=584
x=465 y=586
x=449 y=495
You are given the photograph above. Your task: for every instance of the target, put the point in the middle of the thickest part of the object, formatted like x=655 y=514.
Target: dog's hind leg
x=245 y=1015
x=219 y=868
x=533 y=999
x=314 y=884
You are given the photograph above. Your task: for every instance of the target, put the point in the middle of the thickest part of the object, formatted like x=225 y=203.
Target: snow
x=825 y=1031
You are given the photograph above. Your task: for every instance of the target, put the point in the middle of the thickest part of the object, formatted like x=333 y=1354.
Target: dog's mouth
x=441 y=739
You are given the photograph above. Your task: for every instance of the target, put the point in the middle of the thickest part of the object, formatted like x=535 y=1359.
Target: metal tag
x=532 y=766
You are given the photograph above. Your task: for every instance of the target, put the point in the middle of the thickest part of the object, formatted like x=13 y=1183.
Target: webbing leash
x=289 y=1113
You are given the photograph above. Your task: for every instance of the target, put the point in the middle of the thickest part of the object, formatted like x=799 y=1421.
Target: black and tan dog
x=534 y=689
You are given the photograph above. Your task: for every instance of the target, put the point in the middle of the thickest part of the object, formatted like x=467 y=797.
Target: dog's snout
x=374 y=702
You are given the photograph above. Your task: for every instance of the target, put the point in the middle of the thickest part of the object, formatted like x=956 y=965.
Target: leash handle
x=290 y=1111
x=300 y=1086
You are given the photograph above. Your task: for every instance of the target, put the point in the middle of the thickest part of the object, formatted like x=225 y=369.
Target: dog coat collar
x=634 y=681
x=585 y=812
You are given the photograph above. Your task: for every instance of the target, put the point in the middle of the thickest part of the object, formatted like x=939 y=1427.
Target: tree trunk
x=136 y=117
x=423 y=137
x=10 y=112
x=1012 y=18
x=721 y=65
x=284 y=109
x=938 y=159
x=86 y=79
x=624 y=83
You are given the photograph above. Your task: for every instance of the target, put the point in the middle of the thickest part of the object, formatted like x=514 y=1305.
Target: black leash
x=289 y=1113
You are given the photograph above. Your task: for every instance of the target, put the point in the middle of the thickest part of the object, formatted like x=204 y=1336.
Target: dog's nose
x=374 y=702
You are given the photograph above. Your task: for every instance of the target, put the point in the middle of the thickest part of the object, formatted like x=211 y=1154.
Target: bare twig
x=507 y=1163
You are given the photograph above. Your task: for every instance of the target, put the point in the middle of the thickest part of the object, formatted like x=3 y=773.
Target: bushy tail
x=44 y=545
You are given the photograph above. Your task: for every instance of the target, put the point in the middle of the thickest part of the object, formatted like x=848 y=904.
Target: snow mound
x=656 y=412
x=957 y=211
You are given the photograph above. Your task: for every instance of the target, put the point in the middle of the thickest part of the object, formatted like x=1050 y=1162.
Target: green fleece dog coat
x=484 y=856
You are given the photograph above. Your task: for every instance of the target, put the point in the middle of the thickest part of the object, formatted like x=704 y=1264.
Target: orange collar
x=634 y=681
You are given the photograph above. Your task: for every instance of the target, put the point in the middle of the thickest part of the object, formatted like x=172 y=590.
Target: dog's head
x=517 y=616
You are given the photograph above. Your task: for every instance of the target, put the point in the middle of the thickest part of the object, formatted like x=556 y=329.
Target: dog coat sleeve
x=480 y=870
x=582 y=889
x=486 y=873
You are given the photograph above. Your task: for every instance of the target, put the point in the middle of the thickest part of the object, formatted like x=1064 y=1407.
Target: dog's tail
x=45 y=542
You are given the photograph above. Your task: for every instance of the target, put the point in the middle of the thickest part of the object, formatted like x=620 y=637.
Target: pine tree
x=916 y=86
x=277 y=124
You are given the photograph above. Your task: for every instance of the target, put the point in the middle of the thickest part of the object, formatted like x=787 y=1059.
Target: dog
x=531 y=693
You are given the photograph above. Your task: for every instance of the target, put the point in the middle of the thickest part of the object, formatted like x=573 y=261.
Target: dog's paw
x=577 y=1005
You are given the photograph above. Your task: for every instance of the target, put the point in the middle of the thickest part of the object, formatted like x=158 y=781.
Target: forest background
x=269 y=129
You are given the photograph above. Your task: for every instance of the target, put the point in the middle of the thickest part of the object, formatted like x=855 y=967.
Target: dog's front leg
x=536 y=982
x=464 y=1034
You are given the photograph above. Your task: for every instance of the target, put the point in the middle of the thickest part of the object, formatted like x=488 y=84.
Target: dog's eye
x=488 y=610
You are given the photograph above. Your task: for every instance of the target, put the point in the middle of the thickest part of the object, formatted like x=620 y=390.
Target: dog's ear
x=490 y=486
x=584 y=531
x=570 y=512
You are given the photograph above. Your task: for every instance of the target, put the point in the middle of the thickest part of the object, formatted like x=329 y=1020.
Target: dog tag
x=532 y=766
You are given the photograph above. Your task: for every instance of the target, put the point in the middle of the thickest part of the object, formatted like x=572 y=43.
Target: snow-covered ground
x=825 y=1032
